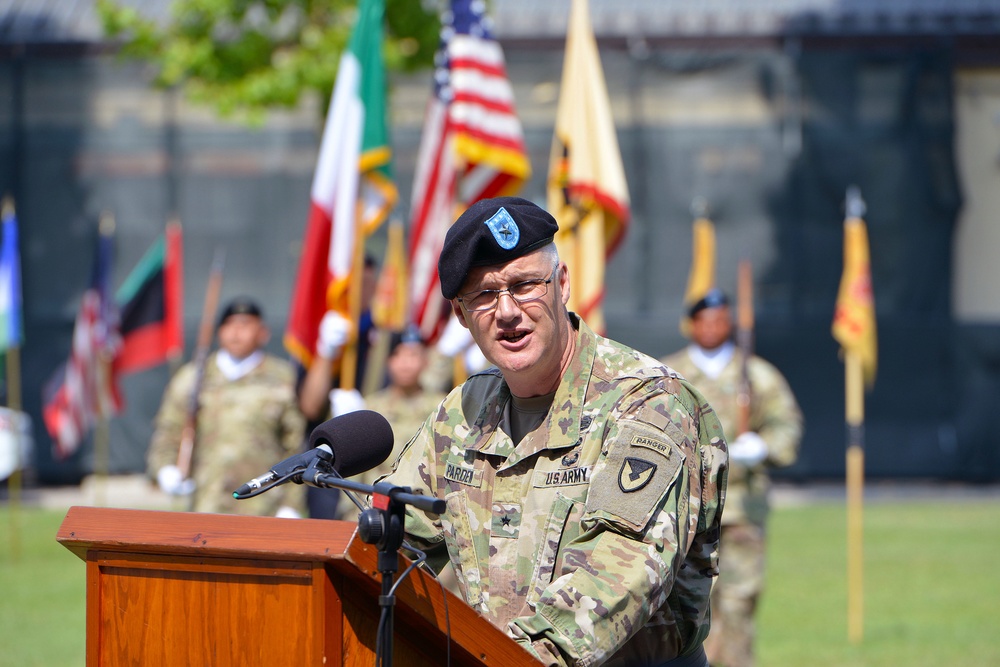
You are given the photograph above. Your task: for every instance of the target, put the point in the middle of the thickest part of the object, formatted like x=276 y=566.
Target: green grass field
x=931 y=588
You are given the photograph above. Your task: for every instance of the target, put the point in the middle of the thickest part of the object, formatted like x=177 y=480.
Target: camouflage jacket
x=595 y=539
x=774 y=415
x=244 y=427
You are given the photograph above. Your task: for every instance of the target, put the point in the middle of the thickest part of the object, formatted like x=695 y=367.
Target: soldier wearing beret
x=584 y=480
x=404 y=402
x=247 y=419
x=712 y=364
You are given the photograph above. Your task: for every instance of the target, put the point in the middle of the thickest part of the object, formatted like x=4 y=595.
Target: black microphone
x=296 y=463
x=360 y=440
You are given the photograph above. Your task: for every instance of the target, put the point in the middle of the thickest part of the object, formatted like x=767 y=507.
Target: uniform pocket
x=457 y=523
x=548 y=550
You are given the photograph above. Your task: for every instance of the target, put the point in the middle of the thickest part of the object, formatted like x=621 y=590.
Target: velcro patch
x=562 y=477
x=506 y=520
x=461 y=474
x=645 y=463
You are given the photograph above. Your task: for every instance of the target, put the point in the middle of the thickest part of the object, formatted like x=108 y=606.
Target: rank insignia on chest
x=506 y=520
x=635 y=473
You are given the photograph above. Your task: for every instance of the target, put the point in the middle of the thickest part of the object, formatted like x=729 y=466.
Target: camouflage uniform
x=775 y=416
x=245 y=426
x=405 y=414
x=594 y=540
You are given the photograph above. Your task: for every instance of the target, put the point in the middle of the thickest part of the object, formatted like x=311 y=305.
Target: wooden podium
x=214 y=590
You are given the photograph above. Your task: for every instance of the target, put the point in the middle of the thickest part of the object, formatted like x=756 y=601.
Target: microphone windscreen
x=360 y=440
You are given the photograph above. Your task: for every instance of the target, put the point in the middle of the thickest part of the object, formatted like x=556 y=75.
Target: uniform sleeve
x=169 y=422
x=777 y=417
x=643 y=513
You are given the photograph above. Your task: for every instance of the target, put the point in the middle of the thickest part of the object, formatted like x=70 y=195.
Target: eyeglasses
x=522 y=292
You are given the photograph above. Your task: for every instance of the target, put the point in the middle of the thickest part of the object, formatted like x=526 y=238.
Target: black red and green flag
x=150 y=307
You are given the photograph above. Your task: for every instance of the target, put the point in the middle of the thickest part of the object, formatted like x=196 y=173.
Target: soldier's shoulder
x=763 y=370
x=278 y=368
x=619 y=361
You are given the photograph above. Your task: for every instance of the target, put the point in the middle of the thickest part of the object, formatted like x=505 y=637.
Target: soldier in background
x=405 y=403
x=584 y=480
x=320 y=396
x=247 y=419
x=712 y=364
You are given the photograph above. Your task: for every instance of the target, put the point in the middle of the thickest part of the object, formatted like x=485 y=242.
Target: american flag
x=472 y=148
x=84 y=389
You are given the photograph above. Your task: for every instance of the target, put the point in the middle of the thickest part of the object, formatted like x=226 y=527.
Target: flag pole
x=12 y=369
x=744 y=340
x=102 y=432
x=349 y=362
x=854 y=328
x=12 y=362
x=855 y=416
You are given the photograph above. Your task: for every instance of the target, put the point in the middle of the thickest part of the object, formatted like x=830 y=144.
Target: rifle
x=744 y=340
x=205 y=333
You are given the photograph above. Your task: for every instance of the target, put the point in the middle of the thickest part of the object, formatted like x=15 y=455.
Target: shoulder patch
x=635 y=474
x=644 y=462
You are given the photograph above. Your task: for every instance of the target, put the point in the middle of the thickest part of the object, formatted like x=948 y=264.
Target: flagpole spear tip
x=107 y=224
x=854 y=205
x=7 y=206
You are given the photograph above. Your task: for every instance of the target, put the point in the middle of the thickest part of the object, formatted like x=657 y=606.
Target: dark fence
x=770 y=139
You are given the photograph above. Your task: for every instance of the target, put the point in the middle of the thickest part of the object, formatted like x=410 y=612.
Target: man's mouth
x=513 y=336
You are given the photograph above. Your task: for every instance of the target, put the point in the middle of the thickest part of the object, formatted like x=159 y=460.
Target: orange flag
x=587 y=192
x=854 y=317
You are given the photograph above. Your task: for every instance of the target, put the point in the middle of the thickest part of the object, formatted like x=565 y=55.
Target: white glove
x=172 y=482
x=748 y=449
x=334 y=332
x=455 y=339
x=286 y=512
x=343 y=401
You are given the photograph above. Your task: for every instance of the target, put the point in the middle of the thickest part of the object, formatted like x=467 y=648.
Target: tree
x=250 y=56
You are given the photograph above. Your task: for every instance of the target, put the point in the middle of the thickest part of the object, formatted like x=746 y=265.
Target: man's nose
x=507 y=307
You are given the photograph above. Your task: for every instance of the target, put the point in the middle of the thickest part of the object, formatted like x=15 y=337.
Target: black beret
x=408 y=335
x=240 y=306
x=714 y=298
x=492 y=231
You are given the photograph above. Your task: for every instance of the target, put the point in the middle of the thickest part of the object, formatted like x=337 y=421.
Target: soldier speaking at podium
x=584 y=480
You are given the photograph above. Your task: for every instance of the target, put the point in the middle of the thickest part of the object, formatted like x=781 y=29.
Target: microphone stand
x=382 y=525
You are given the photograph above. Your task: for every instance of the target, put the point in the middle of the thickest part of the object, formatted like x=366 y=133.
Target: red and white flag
x=472 y=148
x=84 y=389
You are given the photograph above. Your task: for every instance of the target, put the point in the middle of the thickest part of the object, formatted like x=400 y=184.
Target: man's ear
x=459 y=313
x=564 y=282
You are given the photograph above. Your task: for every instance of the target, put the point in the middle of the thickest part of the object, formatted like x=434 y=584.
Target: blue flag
x=11 y=329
